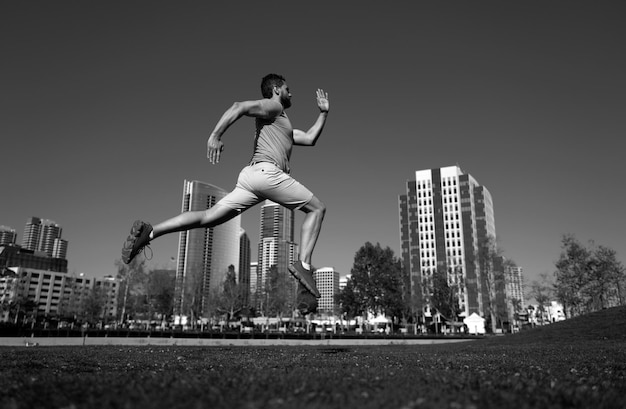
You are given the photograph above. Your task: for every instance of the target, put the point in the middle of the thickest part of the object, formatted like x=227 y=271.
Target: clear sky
x=106 y=106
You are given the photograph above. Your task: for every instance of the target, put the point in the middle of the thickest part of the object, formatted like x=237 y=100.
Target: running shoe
x=306 y=303
x=138 y=239
x=305 y=277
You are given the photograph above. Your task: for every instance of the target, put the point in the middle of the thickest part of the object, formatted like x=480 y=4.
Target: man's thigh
x=240 y=199
x=266 y=181
x=285 y=190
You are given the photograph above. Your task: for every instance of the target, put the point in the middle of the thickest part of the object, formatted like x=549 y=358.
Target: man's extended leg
x=212 y=217
x=142 y=233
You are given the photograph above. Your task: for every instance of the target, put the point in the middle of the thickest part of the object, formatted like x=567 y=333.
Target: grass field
x=579 y=363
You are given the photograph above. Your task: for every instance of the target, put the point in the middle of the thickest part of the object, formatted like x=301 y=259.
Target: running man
x=265 y=177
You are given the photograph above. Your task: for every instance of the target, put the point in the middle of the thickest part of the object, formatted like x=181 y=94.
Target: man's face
x=285 y=95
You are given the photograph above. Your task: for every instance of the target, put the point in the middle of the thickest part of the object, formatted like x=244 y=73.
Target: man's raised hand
x=322 y=100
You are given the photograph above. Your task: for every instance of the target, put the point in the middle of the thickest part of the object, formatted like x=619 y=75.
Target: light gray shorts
x=264 y=180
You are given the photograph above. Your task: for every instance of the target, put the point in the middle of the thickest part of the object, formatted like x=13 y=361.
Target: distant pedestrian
x=265 y=177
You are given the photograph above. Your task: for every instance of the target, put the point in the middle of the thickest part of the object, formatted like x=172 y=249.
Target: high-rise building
x=59 y=249
x=327 y=281
x=254 y=281
x=243 y=273
x=514 y=280
x=276 y=245
x=204 y=255
x=41 y=235
x=8 y=236
x=446 y=217
x=50 y=233
x=32 y=234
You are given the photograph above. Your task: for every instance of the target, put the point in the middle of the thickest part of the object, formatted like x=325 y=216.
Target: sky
x=106 y=107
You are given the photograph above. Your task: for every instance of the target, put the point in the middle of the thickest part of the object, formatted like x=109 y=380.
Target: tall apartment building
x=32 y=234
x=445 y=217
x=254 y=281
x=243 y=272
x=8 y=237
x=276 y=244
x=514 y=279
x=327 y=281
x=204 y=255
x=44 y=236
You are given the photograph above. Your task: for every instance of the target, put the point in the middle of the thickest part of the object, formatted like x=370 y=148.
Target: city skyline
x=106 y=110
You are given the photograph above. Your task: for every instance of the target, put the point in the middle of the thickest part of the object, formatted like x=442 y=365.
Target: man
x=265 y=177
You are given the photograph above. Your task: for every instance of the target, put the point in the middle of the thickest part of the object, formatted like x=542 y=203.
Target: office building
x=16 y=256
x=327 y=281
x=44 y=236
x=204 y=255
x=276 y=245
x=58 y=295
x=446 y=217
x=254 y=282
x=514 y=279
x=243 y=272
x=8 y=236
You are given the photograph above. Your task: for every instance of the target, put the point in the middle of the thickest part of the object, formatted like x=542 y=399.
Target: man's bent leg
x=212 y=217
x=310 y=231
x=315 y=211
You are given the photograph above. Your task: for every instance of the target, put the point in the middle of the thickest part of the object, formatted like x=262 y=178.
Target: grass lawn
x=579 y=363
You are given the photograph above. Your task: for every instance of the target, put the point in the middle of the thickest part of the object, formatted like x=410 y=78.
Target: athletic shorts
x=264 y=180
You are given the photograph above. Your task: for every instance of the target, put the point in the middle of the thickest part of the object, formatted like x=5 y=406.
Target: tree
x=132 y=279
x=231 y=300
x=14 y=297
x=571 y=274
x=277 y=290
x=541 y=291
x=487 y=253
x=92 y=306
x=350 y=301
x=444 y=298
x=516 y=303
x=587 y=279
x=376 y=283
x=160 y=291
x=70 y=304
x=607 y=276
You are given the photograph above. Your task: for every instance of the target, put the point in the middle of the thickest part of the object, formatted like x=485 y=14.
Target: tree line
x=585 y=279
x=150 y=295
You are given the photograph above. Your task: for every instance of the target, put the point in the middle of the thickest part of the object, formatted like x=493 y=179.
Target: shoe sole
x=129 y=245
x=306 y=285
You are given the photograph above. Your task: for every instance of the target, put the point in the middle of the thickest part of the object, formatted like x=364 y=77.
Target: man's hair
x=269 y=82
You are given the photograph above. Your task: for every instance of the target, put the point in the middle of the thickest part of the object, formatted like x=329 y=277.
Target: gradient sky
x=106 y=106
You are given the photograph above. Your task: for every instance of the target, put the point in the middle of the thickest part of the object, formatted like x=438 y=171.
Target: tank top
x=273 y=141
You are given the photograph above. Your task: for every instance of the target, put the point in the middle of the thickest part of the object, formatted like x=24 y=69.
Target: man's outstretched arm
x=264 y=108
x=309 y=138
